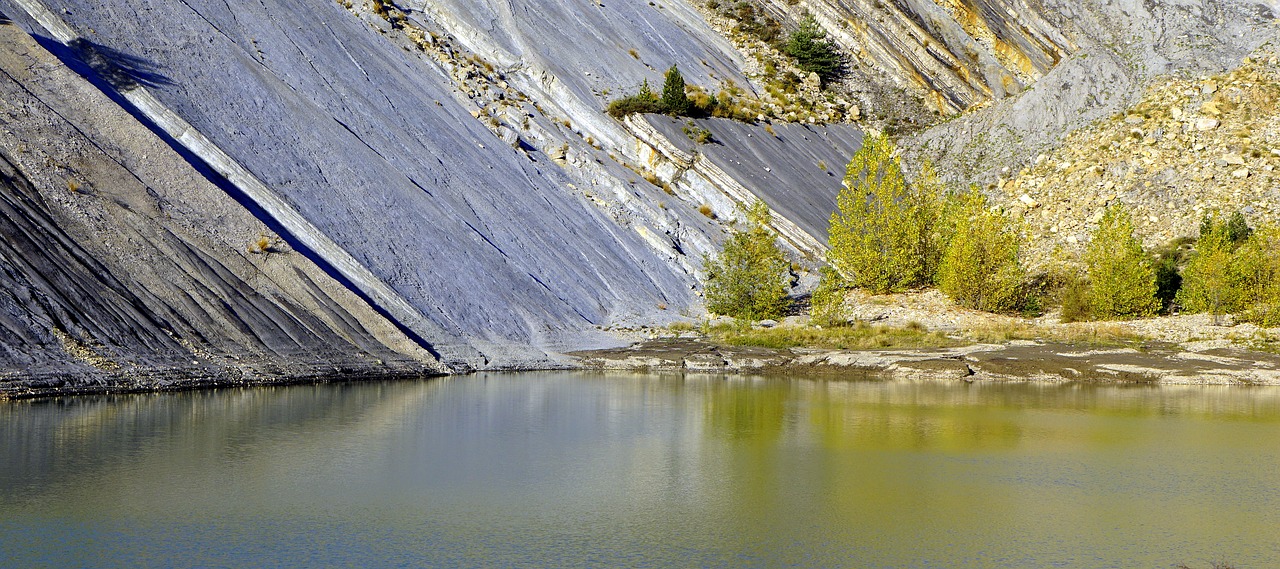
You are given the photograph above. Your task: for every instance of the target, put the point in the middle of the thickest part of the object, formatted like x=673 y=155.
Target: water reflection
x=668 y=471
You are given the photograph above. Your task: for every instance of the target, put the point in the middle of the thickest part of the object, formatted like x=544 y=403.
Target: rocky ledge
x=1162 y=363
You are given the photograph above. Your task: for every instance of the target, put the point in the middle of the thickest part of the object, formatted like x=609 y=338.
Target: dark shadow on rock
x=122 y=70
x=4 y=19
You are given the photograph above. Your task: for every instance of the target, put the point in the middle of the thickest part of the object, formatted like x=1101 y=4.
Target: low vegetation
x=674 y=100
x=889 y=236
x=860 y=336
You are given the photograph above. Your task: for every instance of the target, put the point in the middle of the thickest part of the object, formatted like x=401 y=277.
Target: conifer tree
x=674 y=99
x=813 y=53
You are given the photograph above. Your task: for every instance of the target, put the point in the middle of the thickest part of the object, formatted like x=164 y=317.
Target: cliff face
x=1117 y=48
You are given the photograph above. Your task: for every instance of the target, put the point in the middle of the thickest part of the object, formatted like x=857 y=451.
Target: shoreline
x=1156 y=363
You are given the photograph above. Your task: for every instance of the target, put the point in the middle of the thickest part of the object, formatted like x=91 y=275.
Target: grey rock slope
x=124 y=268
x=572 y=58
x=368 y=144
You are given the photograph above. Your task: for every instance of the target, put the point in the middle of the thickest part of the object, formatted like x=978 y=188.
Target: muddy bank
x=60 y=384
x=1162 y=363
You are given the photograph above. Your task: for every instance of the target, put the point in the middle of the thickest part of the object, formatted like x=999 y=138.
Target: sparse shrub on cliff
x=675 y=100
x=1121 y=280
x=749 y=278
x=980 y=267
x=696 y=133
x=646 y=101
x=882 y=230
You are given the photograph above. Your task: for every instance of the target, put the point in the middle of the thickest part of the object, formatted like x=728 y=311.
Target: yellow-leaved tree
x=881 y=231
x=980 y=268
x=1122 y=282
x=750 y=277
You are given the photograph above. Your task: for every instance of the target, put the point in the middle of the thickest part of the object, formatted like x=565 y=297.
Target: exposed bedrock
x=466 y=182
x=366 y=142
x=122 y=267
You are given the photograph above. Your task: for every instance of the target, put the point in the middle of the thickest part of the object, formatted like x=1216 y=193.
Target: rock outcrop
x=1118 y=47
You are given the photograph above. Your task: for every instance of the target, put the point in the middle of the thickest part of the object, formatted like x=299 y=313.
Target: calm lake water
x=585 y=470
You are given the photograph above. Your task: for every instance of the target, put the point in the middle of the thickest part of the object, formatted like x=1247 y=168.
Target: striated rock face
x=122 y=267
x=366 y=142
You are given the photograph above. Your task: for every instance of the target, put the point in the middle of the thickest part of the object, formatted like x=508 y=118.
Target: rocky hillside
x=436 y=183
x=1191 y=146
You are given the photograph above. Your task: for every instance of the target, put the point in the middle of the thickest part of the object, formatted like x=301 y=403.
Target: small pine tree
x=813 y=53
x=749 y=278
x=980 y=268
x=674 y=99
x=1121 y=279
x=646 y=92
x=880 y=233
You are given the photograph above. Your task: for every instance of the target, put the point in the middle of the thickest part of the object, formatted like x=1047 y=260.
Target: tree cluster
x=890 y=236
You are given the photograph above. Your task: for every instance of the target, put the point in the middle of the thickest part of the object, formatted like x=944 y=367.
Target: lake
x=571 y=469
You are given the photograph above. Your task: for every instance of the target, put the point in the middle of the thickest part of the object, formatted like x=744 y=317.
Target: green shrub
x=643 y=102
x=812 y=52
x=1075 y=300
x=749 y=278
x=1121 y=280
x=980 y=268
x=1255 y=275
x=882 y=231
x=827 y=302
x=1167 y=261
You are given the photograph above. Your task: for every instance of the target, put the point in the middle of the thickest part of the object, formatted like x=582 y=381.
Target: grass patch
x=1080 y=334
x=858 y=337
